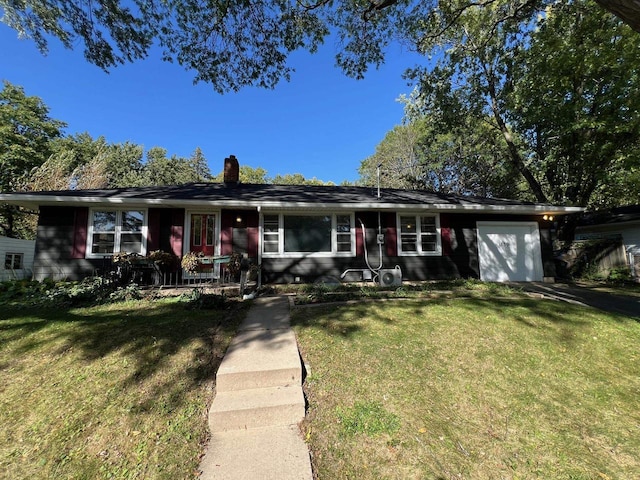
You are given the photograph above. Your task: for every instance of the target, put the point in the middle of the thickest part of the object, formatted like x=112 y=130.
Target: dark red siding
x=227 y=220
x=234 y=233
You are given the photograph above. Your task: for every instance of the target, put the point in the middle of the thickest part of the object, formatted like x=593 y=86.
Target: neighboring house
x=17 y=256
x=297 y=233
x=622 y=223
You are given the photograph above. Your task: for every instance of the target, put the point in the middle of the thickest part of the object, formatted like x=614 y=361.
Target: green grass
x=481 y=388
x=115 y=392
x=324 y=293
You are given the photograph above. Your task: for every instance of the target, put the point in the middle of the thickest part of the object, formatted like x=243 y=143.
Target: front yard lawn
x=117 y=391
x=471 y=388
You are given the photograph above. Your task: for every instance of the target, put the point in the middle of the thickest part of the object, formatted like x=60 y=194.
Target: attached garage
x=509 y=252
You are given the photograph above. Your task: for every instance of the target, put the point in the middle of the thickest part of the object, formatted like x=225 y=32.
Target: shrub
x=198 y=300
x=91 y=290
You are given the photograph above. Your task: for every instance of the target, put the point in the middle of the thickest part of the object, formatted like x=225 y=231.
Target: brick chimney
x=231 y=170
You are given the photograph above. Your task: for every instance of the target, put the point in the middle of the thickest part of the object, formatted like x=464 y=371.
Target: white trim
x=124 y=202
x=532 y=241
x=117 y=232
x=311 y=213
x=419 y=252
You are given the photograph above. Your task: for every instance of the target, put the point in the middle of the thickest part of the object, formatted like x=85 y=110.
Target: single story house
x=18 y=258
x=617 y=223
x=297 y=233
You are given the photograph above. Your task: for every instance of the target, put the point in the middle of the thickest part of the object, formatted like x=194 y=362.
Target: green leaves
x=555 y=89
x=26 y=131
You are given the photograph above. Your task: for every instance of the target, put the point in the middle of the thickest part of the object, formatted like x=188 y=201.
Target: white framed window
x=308 y=234
x=419 y=234
x=13 y=261
x=112 y=231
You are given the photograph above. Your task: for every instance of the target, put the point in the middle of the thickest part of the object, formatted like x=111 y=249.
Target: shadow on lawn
x=563 y=319
x=148 y=334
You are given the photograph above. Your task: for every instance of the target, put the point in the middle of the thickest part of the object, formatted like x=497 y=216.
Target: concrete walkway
x=584 y=295
x=259 y=402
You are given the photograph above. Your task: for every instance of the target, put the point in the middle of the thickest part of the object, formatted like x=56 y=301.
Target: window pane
x=271 y=223
x=343 y=237
x=408 y=243
x=131 y=243
x=408 y=224
x=428 y=224
x=103 y=243
x=343 y=223
x=210 y=229
x=196 y=230
x=13 y=261
x=408 y=234
x=132 y=221
x=429 y=244
x=307 y=233
x=270 y=234
x=104 y=221
x=270 y=247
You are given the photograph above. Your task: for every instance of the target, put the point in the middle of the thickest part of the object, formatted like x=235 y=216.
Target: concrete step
x=272 y=453
x=260 y=359
x=255 y=408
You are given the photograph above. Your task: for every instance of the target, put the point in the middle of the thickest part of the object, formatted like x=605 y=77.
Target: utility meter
x=381 y=239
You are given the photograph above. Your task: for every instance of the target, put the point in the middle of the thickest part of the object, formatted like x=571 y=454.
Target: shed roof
x=629 y=213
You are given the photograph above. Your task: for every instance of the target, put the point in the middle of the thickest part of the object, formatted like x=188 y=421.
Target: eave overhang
x=34 y=201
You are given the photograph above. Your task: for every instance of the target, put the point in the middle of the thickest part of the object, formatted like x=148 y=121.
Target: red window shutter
x=177 y=231
x=445 y=234
x=80 y=228
x=153 y=230
x=391 y=235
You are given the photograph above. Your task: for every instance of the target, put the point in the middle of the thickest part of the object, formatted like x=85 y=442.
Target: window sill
x=309 y=255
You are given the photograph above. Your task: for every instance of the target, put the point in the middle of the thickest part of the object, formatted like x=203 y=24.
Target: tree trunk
x=514 y=154
x=627 y=10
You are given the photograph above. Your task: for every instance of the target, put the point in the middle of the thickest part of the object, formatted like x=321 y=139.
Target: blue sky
x=320 y=124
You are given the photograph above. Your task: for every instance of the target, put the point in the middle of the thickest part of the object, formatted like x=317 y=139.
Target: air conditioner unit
x=390 y=277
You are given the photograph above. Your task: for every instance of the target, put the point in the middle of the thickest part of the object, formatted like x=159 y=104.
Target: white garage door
x=509 y=252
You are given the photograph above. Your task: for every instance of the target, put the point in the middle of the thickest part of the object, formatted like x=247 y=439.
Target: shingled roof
x=269 y=196
x=630 y=213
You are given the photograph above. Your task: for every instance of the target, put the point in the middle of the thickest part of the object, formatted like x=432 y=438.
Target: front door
x=202 y=233
x=202 y=229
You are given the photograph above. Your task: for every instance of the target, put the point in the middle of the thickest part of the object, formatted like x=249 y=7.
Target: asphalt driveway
x=585 y=295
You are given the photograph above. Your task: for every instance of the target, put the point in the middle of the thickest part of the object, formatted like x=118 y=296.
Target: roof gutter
x=35 y=200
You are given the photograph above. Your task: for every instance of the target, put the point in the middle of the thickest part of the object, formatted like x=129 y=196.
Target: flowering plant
x=191 y=261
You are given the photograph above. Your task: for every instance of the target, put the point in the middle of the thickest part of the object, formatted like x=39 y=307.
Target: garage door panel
x=509 y=252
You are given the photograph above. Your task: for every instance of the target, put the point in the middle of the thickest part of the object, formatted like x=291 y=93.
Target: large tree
x=467 y=158
x=559 y=86
x=26 y=132
x=232 y=44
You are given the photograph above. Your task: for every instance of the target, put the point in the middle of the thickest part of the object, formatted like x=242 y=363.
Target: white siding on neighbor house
x=631 y=239
x=10 y=246
x=629 y=232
